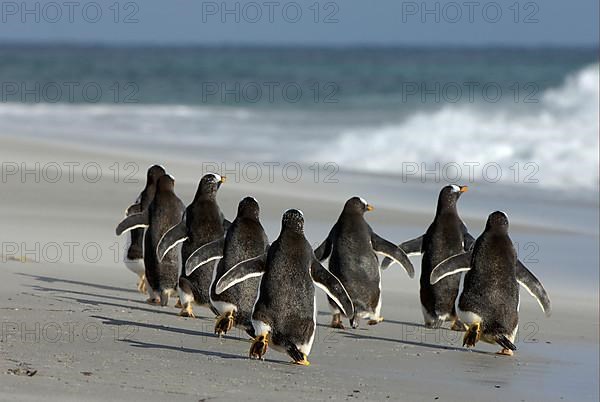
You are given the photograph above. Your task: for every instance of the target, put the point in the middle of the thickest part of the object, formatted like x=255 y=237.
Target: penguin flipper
x=246 y=269
x=324 y=250
x=468 y=239
x=410 y=247
x=329 y=283
x=209 y=252
x=529 y=281
x=135 y=221
x=390 y=250
x=133 y=209
x=450 y=266
x=177 y=234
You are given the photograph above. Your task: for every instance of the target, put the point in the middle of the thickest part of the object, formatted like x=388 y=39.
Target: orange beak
x=464 y=189
x=370 y=207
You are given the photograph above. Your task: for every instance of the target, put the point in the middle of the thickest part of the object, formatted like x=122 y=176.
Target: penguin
x=352 y=246
x=245 y=239
x=446 y=236
x=202 y=223
x=164 y=211
x=489 y=301
x=284 y=313
x=133 y=253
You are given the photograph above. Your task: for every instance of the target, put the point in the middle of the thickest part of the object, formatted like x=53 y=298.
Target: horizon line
x=292 y=45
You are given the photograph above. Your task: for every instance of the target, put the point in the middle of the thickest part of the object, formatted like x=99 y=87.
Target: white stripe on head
x=293 y=209
x=217 y=176
x=455 y=188
x=363 y=201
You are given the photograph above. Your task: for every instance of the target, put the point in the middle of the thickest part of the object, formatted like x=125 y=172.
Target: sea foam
x=559 y=136
x=553 y=143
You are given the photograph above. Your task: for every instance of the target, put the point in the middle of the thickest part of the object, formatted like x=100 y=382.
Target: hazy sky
x=340 y=22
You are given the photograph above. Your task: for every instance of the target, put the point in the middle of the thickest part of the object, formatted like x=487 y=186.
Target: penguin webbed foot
x=297 y=356
x=505 y=352
x=141 y=285
x=336 y=321
x=224 y=323
x=153 y=300
x=259 y=347
x=375 y=321
x=187 y=311
x=302 y=362
x=435 y=324
x=164 y=298
x=472 y=335
x=459 y=326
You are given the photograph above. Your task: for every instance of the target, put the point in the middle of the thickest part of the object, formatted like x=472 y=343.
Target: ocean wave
x=558 y=139
x=553 y=143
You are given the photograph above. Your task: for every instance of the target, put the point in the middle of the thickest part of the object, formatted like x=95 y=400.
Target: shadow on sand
x=414 y=343
x=50 y=279
x=205 y=336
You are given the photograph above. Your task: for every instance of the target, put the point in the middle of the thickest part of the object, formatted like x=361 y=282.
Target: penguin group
x=267 y=288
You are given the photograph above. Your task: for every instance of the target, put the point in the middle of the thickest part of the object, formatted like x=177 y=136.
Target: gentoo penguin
x=284 y=313
x=202 y=223
x=489 y=301
x=165 y=211
x=352 y=245
x=133 y=255
x=245 y=239
x=446 y=236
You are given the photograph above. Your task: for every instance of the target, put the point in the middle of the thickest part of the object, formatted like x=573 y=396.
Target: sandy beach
x=71 y=314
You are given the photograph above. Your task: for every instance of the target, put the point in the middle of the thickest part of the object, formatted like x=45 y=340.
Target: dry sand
x=78 y=323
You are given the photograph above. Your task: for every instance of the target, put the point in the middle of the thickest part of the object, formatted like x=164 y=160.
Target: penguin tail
x=503 y=341
x=185 y=286
x=164 y=297
x=250 y=331
x=293 y=351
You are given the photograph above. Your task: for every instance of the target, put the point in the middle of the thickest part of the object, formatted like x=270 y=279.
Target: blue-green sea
x=363 y=108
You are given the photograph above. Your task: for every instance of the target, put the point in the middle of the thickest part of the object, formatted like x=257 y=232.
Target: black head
x=293 y=220
x=166 y=183
x=248 y=208
x=497 y=221
x=154 y=173
x=209 y=185
x=357 y=205
x=448 y=197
